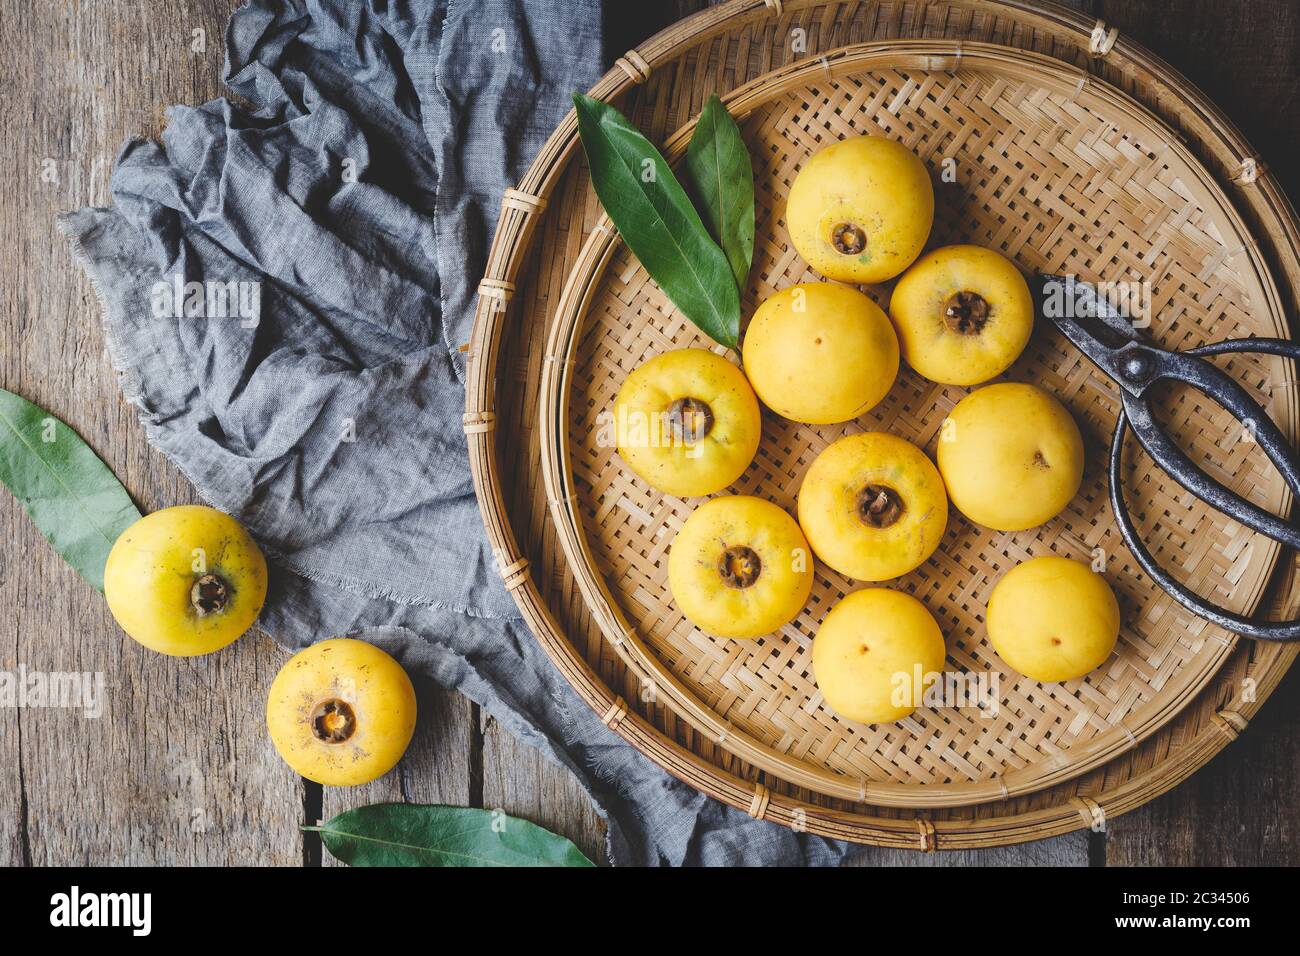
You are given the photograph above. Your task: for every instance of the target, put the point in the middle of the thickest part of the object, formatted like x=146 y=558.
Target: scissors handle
x=1171 y=459
x=1215 y=384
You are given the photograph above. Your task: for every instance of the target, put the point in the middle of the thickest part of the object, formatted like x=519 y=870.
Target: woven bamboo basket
x=1063 y=175
x=745 y=725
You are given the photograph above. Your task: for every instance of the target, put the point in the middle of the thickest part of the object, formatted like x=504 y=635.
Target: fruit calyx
x=739 y=566
x=209 y=595
x=879 y=506
x=848 y=238
x=966 y=313
x=333 y=721
x=689 y=420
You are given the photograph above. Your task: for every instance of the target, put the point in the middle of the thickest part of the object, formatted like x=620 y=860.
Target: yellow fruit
x=873 y=506
x=1011 y=456
x=875 y=654
x=185 y=581
x=860 y=209
x=820 y=353
x=688 y=422
x=341 y=712
x=963 y=314
x=1053 y=619
x=740 y=567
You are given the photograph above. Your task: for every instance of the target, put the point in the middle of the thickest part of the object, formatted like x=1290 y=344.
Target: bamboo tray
x=1062 y=176
x=820 y=773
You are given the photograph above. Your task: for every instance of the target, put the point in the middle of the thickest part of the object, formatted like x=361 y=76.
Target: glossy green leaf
x=407 y=834
x=658 y=221
x=71 y=495
x=720 y=178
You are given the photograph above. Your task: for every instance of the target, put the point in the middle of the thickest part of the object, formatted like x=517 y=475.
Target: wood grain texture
x=518 y=780
x=1238 y=811
x=178 y=769
x=1243 y=54
x=1068 y=850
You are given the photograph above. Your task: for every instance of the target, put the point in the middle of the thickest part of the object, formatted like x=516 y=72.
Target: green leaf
x=71 y=495
x=408 y=834
x=657 y=220
x=720 y=177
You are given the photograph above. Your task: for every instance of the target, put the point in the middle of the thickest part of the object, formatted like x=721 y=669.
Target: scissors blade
x=1097 y=329
x=1075 y=306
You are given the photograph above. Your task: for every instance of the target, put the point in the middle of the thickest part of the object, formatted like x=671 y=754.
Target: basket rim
x=566 y=329
x=1213 y=130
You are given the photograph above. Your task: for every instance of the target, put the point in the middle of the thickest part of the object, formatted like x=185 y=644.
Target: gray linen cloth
x=350 y=197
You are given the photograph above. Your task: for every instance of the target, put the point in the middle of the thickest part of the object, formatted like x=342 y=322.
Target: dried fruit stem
x=966 y=313
x=333 y=721
x=739 y=566
x=209 y=595
x=848 y=238
x=689 y=420
x=879 y=506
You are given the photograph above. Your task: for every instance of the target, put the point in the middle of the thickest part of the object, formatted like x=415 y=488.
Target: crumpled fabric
x=285 y=279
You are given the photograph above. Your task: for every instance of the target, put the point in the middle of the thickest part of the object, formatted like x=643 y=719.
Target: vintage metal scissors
x=1100 y=331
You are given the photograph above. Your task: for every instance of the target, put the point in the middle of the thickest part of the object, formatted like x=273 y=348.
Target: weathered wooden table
x=179 y=770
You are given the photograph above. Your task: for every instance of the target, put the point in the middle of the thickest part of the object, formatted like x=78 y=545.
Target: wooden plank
x=1239 y=810
x=437 y=766
x=1242 y=54
x=518 y=780
x=1068 y=850
x=178 y=770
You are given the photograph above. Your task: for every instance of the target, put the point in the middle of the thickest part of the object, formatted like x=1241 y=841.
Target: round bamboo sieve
x=1062 y=175
x=742 y=37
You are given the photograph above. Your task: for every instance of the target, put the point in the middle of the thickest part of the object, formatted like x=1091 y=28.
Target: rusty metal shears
x=1101 y=332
